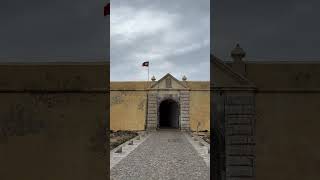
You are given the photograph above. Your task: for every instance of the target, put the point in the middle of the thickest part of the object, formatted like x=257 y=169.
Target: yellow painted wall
x=53 y=136
x=287 y=131
x=127 y=110
x=287 y=125
x=287 y=119
x=200 y=110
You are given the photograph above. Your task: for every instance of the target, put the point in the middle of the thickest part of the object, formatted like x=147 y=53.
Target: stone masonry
x=240 y=143
x=168 y=88
x=154 y=100
x=152 y=111
x=185 y=98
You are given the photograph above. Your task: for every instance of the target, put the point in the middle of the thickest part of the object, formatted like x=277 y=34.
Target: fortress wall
x=128 y=105
x=287 y=132
x=200 y=110
x=287 y=125
x=128 y=110
x=53 y=121
x=281 y=76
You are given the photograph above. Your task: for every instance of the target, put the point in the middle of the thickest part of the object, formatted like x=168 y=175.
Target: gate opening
x=169 y=114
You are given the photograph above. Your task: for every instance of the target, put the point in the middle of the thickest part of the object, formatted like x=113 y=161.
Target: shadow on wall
x=43 y=122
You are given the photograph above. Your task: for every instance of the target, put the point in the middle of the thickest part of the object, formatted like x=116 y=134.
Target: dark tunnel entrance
x=169 y=114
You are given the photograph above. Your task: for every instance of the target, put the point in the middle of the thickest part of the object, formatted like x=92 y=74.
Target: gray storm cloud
x=59 y=30
x=267 y=30
x=173 y=35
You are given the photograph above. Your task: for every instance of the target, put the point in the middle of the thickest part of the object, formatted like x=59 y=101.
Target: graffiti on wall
x=141 y=105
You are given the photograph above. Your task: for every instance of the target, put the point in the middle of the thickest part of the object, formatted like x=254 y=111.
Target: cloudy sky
x=174 y=36
x=59 y=30
x=268 y=30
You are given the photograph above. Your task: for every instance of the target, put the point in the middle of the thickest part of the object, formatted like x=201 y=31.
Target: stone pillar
x=217 y=124
x=240 y=136
x=152 y=111
x=184 y=109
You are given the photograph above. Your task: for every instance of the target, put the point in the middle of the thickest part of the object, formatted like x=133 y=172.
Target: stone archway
x=155 y=99
x=168 y=88
x=169 y=114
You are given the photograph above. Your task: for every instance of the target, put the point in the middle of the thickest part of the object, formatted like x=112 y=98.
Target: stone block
x=130 y=143
x=239 y=161
x=241 y=100
x=183 y=111
x=239 y=120
x=239 y=130
x=240 y=109
x=185 y=127
x=184 y=118
x=236 y=140
x=151 y=121
x=151 y=126
x=234 y=171
x=119 y=150
x=251 y=140
x=246 y=150
x=240 y=178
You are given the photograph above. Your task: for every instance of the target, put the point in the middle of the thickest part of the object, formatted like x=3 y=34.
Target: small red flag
x=145 y=63
x=107 y=9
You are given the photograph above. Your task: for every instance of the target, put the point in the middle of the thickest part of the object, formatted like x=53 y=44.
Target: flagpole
x=148 y=74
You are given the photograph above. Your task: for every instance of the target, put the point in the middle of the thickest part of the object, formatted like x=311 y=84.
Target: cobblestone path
x=166 y=154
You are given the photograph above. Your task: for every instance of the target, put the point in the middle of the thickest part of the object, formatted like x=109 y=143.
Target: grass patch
x=119 y=137
x=205 y=135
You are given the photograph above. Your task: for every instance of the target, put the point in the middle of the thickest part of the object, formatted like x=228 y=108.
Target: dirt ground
x=119 y=137
x=204 y=135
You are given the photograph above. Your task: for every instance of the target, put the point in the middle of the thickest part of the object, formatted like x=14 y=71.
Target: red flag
x=145 y=63
x=107 y=10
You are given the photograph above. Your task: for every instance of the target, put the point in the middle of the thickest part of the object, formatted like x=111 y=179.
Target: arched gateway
x=168 y=104
x=168 y=114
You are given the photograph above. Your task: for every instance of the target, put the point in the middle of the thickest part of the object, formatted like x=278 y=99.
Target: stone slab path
x=165 y=154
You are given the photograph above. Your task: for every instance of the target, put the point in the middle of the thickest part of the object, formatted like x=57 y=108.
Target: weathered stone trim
x=185 y=105
x=152 y=111
x=31 y=91
x=114 y=89
x=240 y=136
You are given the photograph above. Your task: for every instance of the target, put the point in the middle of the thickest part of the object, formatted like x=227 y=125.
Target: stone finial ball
x=184 y=78
x=153 y=78
x=238 y=52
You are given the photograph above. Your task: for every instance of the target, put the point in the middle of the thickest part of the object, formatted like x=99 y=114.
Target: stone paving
x=126 y=149
x=202 y=147
x=165 y=154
